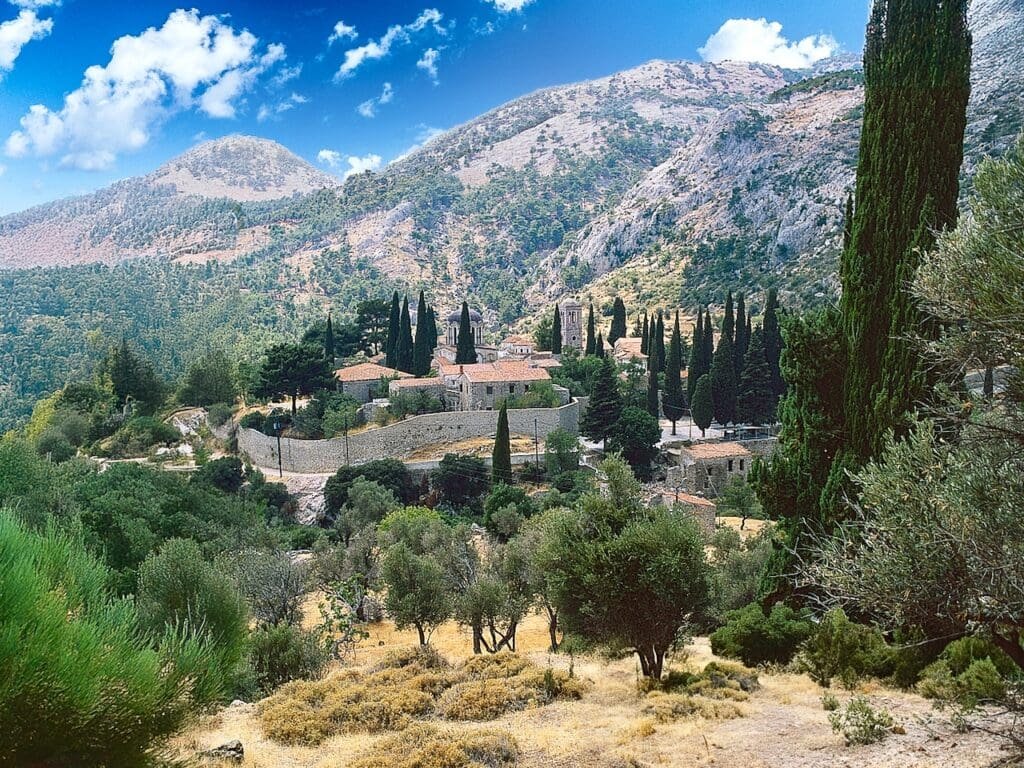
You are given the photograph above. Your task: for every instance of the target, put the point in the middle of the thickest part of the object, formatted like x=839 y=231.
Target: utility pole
x=536 y=446
x=346 y=439
x=277 y=429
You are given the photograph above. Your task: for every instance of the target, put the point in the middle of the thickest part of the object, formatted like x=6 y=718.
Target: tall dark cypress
x=696 y=367
x=556 y=332
x=329 y=341
x=599 y=345
x=708 y=344
x=403 y=349
x=848 y=223
x=673 y=404
x=659 y=339
x=755 y=401
x=501 y=456
x=394 y=326
x=421 y=344
x=605 y=406
x=636 y=327
x=729 y=321
x=653 y=402
x=773 y=342
x=618 y=328
x=591 y=338
x=465 y=348
x=742 y=339
x=723 y=381
x=917 y=60
x=645 y=338
x=432 y=325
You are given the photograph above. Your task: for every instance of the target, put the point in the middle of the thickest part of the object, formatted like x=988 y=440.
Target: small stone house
x=435 y=387
x=628 y=348
x=708 y=467
x=516 y=346
x=483 y=386
x=363 y=380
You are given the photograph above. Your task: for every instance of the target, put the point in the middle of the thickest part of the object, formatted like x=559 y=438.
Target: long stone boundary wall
x=400 y=439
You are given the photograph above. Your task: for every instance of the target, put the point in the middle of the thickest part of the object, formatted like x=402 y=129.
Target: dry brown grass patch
x=667 y=707
x=424 y=746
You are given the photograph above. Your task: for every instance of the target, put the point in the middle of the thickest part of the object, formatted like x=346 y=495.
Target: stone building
x=363 y=381
x=707 y=467
x=434 y=386
x=449 y=342
x=572 y=324
x=483 y=386
x=516 y=347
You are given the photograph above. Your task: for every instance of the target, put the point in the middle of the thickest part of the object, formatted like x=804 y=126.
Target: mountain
x=666 y=184
x=190 y=205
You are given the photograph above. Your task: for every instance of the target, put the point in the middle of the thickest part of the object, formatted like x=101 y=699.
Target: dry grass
x=424 y=746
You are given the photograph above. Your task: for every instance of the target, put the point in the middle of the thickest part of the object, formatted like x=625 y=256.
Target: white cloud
x=342 y=31
x=3 y=169
x=335 y=160
x=190 y=62
x=18 y=32
x=762 y=41
x=34 y=5
x=428 y=63
x=267 y=111
x=287 y=74
x=369 y=107
x=425 y=135
x=507 y=6
x=378 y=49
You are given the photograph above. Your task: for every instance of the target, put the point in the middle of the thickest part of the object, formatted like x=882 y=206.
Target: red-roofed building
x=363 y=380
x=481 y=387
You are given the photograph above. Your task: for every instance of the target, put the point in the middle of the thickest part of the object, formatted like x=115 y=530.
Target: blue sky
x=94 y=90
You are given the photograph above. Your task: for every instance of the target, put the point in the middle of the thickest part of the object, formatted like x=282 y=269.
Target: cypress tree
x=653 y=403
x=917 y=59
x=703 y=407
x=432 y=324
x=599 y=346
x=723 y=381
x=465 y=349
x=605 y=404
x=708 y=344
x=848 y=223
x=591 y=338
x=659 y=340
x=773 y=342
x=742 y=339
x=421 y=345
x=756 y=402
x=556 y=332
x=696 y=368
x=618 y=329
x=729 y=321
x=329 y=341
x=394 y=326
x=501 y=457
x=636 y=327
x=672 y=402
x=645 y=338
x=403 y=349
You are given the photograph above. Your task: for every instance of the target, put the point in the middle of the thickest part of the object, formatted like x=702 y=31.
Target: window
x=741 y=465
x=511 y=389
x=730 y=465
x=490 y=390
x=526 y=388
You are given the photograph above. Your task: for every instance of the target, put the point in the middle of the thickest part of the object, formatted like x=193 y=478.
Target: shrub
x=225 y=474
x=281 y=653
x=252 y=420
x=54 y=444
x=667 y=707
x=756 y=638
x=424 y=746
x=860 y=723
x=272 y=584
x=219 y=414
x=829 y=702
x=139 y=435
x=840 y=648
x=80 y=684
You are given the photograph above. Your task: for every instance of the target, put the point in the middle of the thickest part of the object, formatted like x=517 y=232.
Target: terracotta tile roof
x=694 y=501
x=544 y=362
x=628 y=344
x=519 y=341
x=504 y=370
x=425 y=383
x=704 y=451
x=368 y=372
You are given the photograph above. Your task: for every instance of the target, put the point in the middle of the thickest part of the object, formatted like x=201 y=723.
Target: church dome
x=456 y=316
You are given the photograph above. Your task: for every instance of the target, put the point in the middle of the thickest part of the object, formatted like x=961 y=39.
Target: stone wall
x=400 y=439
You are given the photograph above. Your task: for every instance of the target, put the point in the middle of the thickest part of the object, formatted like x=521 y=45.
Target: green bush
x=283 y=652
x=252 y=420
x=139 y=435
x=756 y=638
x=225 y=474
x=860 y=723
x=219 y=414
x=80 y=684
x=840 y=648
x=969 y=671
x=55 y=445
x=179 y=591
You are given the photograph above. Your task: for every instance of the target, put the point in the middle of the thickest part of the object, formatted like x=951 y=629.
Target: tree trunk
x=1010 y=646
x=476 y=640
x=422 y=634
x=294 y=398
x=673 y=427
x=552 y=629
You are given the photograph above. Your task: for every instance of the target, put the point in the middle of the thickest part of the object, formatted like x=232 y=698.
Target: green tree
x=394 y=328
x=422 y=348
x=636 y=435
x=917 y=62
x=653 y=401
x=209 y=380
x=404 y=346
x=433 y=335
x=729 y=320
x=417 y=593
x=556 y=331
x=696 y=367
x=465 y=349
x=372 y=321
x=462 y=482
x=599 y=346
x=390 y=474
x=673 y=403
x=703 y=407
x=618 y=329
x=591 y=347
x=708 y=343
x=543 y=335
x=290 y=370
x=742 y=335
x=737 y=498
x=605 y=404
x=723 y=381
x=625 y=576
x=756 y=403
x=561 y=453
x=773 y=342
x=132 y=377
x=501 y=457
x=329 y=341
x=645 y=338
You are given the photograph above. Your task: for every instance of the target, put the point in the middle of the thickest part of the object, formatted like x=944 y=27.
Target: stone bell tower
x=572 y=324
